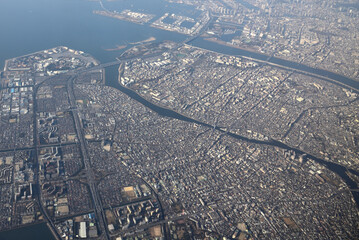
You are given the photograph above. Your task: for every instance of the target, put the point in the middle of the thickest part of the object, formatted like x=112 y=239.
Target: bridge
x=203 y=29
x=113 y=63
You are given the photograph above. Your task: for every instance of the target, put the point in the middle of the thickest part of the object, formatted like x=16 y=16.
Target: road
x=99 y=211
x=149 y=225
x=203 y=29
x=113 y=63
x=36 y=169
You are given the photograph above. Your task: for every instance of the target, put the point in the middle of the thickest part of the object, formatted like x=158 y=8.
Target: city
x=92 y=162
x=187 y=142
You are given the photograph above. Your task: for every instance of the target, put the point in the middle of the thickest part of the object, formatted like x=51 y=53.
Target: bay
x=30 y=26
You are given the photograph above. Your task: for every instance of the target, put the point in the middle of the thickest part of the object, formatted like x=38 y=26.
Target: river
x=338 y=169
x=30 y=26
x=336 y=78
x=31 y=232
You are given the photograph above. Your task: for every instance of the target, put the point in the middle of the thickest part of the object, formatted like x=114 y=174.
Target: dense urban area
x=320 y=34
x=190 y=143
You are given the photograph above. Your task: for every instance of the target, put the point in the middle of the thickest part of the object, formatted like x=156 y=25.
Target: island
x=188 y=143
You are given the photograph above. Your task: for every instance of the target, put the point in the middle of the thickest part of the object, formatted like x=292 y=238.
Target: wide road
x=149 y=225
x=113 y=63
x=99 y=211
x=51 y=224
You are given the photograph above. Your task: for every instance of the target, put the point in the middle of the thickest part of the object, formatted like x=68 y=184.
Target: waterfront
x=336 y=78
x=95 y=44
x=48 y=24
x=95 y=34
x=112 y=80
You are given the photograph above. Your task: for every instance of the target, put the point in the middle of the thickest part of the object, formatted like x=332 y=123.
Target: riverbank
x=327 y=79
x=148 y=102
x=277 y=62
x=253 y=50
x=340 y=170
x=166 y=112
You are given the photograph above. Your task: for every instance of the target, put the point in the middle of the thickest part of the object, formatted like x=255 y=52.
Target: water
x=32 y=232
x=200 y=42
x=30 y=26
x=112 y=76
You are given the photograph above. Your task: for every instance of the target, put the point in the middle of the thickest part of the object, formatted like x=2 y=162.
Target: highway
x=99 y=211
x=51 y=224
x=109 y=64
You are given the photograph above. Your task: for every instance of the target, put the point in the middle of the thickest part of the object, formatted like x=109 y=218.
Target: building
x=82 y=231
